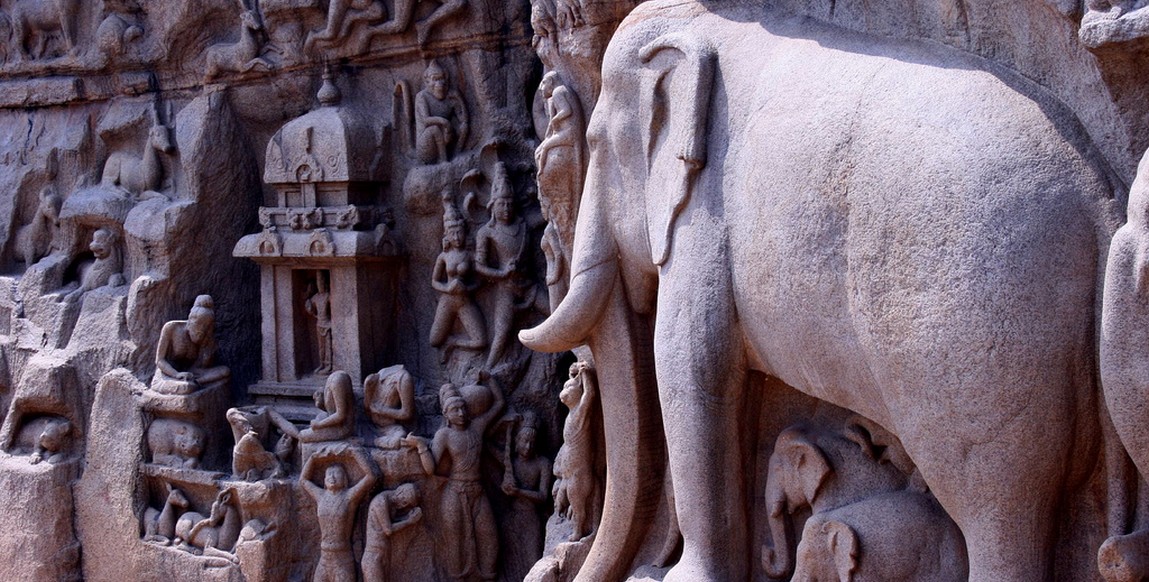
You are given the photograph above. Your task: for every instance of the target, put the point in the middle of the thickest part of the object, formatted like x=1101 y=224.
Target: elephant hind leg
x=1004 y=496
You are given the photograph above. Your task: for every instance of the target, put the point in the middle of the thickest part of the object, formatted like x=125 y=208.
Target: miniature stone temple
x=574 y=290
x=327 y=258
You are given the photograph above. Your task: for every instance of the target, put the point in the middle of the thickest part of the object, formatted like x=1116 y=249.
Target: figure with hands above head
x=335 y=504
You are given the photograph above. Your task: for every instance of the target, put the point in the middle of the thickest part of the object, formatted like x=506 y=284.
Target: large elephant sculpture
x=901 y=229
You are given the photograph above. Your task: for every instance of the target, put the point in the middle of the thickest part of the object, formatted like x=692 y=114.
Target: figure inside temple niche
x=185 y=356
x=336 y=504
x=52 y=441
x=34 y=240
x=336 y=418
x=451 y=277
x=106 y=269
x=160 y=524
x=575 y=482
x=318 y=306
x=527 y=481
x=472 y=545
x=389 y=513
x=441 y=122
x=142 y=173
x=499 y=249
x=389 y=396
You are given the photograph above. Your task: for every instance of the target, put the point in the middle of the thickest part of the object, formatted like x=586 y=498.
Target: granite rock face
x=555 y=290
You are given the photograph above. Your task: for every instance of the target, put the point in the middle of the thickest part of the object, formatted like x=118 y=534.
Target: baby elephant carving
x=902 y=536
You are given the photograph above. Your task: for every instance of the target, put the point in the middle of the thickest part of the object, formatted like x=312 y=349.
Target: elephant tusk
x=573 y=320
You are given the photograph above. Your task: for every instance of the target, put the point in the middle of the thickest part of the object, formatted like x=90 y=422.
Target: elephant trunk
x=777 y=560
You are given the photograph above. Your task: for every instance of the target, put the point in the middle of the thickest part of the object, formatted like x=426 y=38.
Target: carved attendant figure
x=319 y=307
x=335 y=505
x=382 y=524
x=472 y=539
x=441 y=122
x=499 y=248
x=575 y=481
x=527 y=480
x=451 y=279
x=185 y=356
x=389 y=396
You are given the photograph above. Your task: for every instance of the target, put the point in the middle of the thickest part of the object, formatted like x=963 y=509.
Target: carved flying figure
x=452 y=278
x=143 y=172
x=342 y=17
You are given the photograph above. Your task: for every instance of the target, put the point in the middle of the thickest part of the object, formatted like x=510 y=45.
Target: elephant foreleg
x=701 y=367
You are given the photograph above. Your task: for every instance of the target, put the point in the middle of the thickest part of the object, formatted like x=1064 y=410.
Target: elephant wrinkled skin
x=898 y=228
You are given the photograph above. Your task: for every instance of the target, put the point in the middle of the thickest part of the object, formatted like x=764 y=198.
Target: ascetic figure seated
x=336 y=418
x=185 y=357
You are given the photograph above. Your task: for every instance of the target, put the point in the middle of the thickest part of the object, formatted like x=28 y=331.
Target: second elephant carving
x=869 y=522
x=832 y=210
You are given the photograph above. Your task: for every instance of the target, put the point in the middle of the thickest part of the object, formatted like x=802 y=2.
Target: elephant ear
x=676 y=109
x=810 y=464
x=842 y=543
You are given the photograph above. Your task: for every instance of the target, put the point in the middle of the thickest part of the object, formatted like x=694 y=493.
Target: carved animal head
x=251 y=21
x=188 y=442
x=828 y=551
x=53 y=435
x=160 y=138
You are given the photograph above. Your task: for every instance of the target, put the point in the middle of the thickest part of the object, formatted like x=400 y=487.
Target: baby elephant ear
x=675 y=107
x=842 y=543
